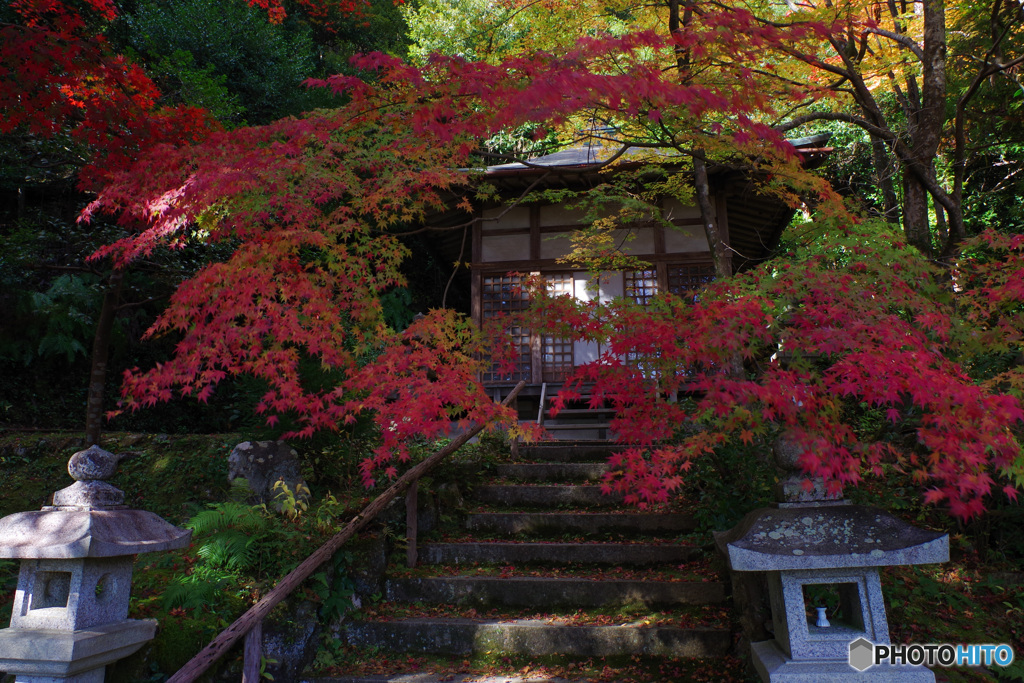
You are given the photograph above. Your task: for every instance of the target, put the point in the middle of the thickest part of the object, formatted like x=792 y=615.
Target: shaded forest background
x=226 y=58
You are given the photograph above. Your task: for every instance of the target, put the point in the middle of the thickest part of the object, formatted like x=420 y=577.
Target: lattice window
x=683 y=280
x=556 y=354
x=504 y=294
x=641 y=285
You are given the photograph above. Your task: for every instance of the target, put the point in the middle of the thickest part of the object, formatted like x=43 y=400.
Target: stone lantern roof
x=827 y=535
x=87 y=519
x=86 y=533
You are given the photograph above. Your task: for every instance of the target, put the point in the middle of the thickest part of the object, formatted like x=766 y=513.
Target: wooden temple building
x=510 y=241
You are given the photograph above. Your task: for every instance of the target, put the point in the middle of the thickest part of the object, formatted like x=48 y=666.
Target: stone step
x=541 y=592
x=552 y=471
x=568 y=451
x=511 y=523
x=632 y=554
x=550 y=495
x=536 y=638
x=434 y=678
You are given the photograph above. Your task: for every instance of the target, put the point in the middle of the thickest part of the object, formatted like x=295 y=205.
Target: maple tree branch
x=458 y=262
x=512 y=205
x=68 y=269
x=133 y=304
x=900 y=38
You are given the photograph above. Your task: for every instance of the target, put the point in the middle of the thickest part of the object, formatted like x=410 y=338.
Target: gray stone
x=291 y=639
x=573 y=451
x=263 y=464
x=861 y=613
x=64 y=534
x=632 y=554
x=89 y=494
x=70 y=595
x=514 y=523
x=92 y=464
x=833 y=544
x=574 y=471
x=537 y=638
x=827 y=536
x=33 y=653
x=792 y=486
x=69 y=617
x=541 y=592
x=436 y=678
x=787 y=450
x=795 y=489
x=449 y=498
x=545 y=495
x=773 y=667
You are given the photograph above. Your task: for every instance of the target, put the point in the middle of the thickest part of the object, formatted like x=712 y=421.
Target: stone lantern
x=811 y=545
x=70 y=611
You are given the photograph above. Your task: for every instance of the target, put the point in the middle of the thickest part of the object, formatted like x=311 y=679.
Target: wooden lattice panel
x=502 y=294
x=683 y=279
x=641 y=285
x=556 y=354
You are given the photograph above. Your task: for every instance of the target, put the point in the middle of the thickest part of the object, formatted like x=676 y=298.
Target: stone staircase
x=545 y=569
x=577 y=420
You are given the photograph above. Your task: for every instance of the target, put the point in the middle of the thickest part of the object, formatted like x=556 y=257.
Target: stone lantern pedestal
x=819 y=549
x=69 y=618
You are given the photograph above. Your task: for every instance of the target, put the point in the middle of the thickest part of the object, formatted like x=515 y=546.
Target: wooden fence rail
x=253 y=618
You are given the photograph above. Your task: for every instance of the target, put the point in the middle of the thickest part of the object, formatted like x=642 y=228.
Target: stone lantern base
x=773 y=666
x=56 y=656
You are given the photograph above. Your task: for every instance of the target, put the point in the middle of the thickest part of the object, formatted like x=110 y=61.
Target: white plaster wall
x=555 y=245
x=584 y=352
x=611 y=285
x=675 y=210
x=642 y=242
x=685 y=238
x=517 y=217
x=505 y=247
x=559 y=215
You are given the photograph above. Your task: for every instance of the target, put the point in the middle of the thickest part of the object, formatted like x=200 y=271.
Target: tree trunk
x=926 y=131
x=719 y=254
x=883 y=176
x=100 y=356
x=915 y=214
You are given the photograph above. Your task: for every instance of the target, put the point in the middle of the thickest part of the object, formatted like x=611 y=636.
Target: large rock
x=290 y=640
x=263 y=464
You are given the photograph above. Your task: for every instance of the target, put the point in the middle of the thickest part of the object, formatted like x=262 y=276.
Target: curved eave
x=73 y=534
x=825 y=537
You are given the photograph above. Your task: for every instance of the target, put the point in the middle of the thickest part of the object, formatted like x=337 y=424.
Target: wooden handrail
x=196 y=666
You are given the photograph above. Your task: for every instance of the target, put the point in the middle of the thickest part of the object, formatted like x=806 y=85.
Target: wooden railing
x=250 y=624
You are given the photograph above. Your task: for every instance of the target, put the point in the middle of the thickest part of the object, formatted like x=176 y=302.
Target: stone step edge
x=433 y=678
x=583 y=521
x=556 y=553
x=542 y=592
x=537 y=638
x=540 y=471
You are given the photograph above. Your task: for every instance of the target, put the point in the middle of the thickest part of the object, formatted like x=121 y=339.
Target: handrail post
x=253 y=654
x=543 y=397
x=411 y=523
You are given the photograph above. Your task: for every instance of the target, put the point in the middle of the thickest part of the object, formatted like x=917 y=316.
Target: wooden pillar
x=411 y=524
x=253 y=654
